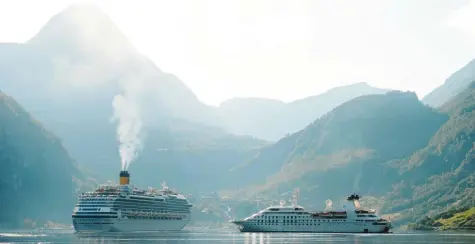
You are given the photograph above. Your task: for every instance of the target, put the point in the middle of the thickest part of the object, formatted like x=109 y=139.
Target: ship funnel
x=124 y=177
x=356 y=201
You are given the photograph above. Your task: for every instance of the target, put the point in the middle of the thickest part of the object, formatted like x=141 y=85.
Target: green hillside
x=412 y=161
x=38 y=179
x=442 y=174
x=454 y=219
x=349 y=149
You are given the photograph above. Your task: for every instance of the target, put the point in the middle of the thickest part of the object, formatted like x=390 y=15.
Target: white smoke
x=126 y=108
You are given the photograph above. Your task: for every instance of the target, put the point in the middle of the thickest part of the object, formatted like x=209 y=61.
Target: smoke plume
x=129 y=124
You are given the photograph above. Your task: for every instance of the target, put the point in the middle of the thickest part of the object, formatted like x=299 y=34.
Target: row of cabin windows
x=363 y=215
x=276 y=209
x=132 y=199
x=122 y=205
x=151 y=217
x=94 y=205
x=94 y=202
x=300 y=217
x=92 y=221
x=139 y=207
x=314 y=222
x=297 y=221
x=285 y=217
x=96 y=199
x=144 y=211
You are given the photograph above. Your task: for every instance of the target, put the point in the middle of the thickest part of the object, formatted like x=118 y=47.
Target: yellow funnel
x=124 y=178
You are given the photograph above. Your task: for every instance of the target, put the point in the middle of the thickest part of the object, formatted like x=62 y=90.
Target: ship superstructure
x=350 y=219
x=124 y=207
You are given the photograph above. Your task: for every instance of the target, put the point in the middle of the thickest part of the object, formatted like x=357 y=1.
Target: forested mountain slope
x=38 y=178
x=442 y=174
x=349 y=149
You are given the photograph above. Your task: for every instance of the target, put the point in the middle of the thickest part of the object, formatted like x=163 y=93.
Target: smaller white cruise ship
x=352 y=218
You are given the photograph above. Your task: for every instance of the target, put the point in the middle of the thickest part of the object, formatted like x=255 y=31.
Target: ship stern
x=382 y=226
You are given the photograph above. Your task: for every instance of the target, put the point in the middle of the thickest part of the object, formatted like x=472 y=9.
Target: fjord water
x=226 y=237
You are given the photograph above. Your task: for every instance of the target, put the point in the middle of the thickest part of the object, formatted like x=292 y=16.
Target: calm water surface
x=235 y=237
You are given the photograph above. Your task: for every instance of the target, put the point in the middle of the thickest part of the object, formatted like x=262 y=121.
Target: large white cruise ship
x=125 y=208
x=350 y=219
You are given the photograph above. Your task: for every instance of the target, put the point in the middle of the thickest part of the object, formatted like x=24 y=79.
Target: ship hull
x=322 y=228
x=129 y=225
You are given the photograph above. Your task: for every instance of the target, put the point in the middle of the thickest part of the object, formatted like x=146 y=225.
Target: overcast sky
x=282 y=49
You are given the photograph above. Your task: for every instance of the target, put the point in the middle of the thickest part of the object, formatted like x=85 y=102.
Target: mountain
x=349 y=149
x=441 y=175
x=273 y=119
x=67 y=76
x=39 y=179
x=455 y=84
x=188 y=156
x=80 y=60
x=408 y=160
x=76 y=64
x=254 y=116
x=85 y=32
x=352 y=138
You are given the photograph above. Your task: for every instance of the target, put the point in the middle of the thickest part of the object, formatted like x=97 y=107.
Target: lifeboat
x=343 y=213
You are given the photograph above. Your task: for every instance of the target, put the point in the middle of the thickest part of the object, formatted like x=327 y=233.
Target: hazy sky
x=282 y=49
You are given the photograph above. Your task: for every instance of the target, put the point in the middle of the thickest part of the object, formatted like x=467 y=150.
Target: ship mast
x=295 y=196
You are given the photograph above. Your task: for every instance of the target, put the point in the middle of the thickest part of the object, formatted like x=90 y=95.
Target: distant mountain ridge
x=273 y=119
x=347 y=148
x=413 y=162
x=454 y=85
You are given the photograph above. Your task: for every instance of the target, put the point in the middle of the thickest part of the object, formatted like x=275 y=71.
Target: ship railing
x=365 y=211
x=329 y=214
x=150 y=213
x=169 y=191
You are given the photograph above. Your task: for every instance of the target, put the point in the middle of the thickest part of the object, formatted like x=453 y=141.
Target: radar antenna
x=164 y=185
x=258 y=203
x=328 y=204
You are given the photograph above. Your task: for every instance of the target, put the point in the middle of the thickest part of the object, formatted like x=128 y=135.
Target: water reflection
x=273 y=238
x=238 y=238
x=277 y=238
x=161 y=237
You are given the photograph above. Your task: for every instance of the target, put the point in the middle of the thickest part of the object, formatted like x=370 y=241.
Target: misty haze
x=237 y=121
